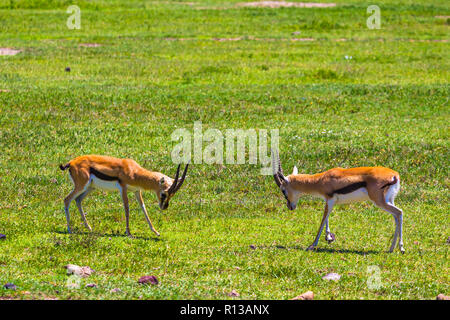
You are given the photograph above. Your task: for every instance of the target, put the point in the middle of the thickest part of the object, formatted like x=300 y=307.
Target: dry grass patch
x=9 y=52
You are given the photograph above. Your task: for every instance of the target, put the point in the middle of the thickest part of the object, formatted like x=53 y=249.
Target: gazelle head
x=168 y=187
x=290 y=194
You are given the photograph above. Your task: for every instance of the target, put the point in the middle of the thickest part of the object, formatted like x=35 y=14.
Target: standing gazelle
x=339 y=186
x=107 y=173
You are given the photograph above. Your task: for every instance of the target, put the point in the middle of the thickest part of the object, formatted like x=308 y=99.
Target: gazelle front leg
x=123 y=191
x=329 y=236
x=328 y=207
x=141 y=203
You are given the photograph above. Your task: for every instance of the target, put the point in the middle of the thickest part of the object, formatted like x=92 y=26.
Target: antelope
x=341 y=186
x=107 y=173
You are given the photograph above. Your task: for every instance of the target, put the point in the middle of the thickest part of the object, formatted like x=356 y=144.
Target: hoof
x=311 y=248
x=402 y=250
x=330 y=237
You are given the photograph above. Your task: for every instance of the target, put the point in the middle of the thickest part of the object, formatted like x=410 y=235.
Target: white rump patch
x=392 y=193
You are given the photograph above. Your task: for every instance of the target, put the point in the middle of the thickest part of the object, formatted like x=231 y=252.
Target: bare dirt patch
x=9 y=52
x=285 y=4
x=90 y=45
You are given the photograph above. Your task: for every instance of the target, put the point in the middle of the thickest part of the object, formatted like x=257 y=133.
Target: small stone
x=79 y=271
x=448 y=240
x=115 y=290
x=91 y=285
x=233 y=293
x=10 y=286
x=2 y=236
x=442 y=297
x=67 y=69
x=332 y=276
x=148 y=279
x=252 y=246
x=296 y=33
x=309 y=295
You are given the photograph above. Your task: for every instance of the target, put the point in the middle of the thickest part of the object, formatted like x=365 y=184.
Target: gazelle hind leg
x=67 y=200
x=78 y=201
x=381 y=201
x=391 y=194
x=80 y=185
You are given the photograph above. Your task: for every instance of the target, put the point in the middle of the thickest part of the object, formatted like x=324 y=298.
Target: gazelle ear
x=295 y=171
x=161 y=182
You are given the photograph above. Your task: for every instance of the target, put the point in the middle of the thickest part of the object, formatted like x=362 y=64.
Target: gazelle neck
x=149 y=180
x=303 y=182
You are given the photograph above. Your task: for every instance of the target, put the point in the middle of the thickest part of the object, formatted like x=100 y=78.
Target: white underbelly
x=104 y=184
x=112 y=185
x=355 y=196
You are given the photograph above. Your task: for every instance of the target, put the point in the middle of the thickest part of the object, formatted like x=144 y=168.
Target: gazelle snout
x=291 y=206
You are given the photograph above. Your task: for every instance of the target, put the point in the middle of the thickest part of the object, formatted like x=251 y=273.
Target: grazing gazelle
x=339 y=186
x=107 y=173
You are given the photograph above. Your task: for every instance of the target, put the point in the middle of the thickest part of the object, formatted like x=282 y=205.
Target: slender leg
x=390 y=197
x=394 y=238
x=123 y=191
x=398 y=216
x=328 y=207
x=400 y=233
x=78 y=201
x=141 y=203
x=67 y=201
x=329 y=236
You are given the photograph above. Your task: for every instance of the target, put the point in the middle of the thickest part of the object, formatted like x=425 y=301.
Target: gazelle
x=340 y=186
x=108 y=173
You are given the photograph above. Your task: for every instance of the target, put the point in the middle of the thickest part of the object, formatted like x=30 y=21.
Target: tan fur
x=378 y=180
x=131 y=176
x=326 y=182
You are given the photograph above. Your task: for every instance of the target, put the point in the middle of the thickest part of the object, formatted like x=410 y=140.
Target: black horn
x=174 y=184
x=182 y=178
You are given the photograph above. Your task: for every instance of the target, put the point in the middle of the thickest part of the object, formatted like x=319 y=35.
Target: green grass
x=161 y=67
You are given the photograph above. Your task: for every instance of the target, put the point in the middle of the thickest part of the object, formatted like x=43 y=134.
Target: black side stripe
x=350 y=188
x=102 y=176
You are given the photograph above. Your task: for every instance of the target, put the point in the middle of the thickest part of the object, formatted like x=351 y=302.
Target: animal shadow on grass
x=320 y=250
x=115 y=235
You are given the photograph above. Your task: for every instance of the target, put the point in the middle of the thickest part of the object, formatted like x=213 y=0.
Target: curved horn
x=182 y=178
x=280 y=169
x=274 y=170
x=174 y=183
x=278 y=172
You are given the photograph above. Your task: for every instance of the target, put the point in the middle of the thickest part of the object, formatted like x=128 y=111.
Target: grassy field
x=163 y=65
